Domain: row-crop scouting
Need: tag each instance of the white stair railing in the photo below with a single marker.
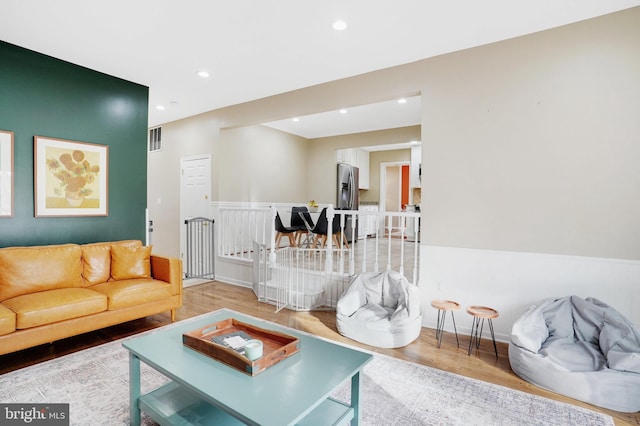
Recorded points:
(390, 246)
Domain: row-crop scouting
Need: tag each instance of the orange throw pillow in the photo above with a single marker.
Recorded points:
(96, 263)
(130, 262)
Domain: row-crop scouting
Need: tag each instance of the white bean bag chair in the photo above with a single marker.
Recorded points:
(380, 309)
(581, 348)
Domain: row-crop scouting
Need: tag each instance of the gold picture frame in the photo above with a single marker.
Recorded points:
(6, 173)
(70, 178)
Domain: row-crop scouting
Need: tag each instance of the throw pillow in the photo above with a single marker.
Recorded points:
(130, 262)
(96, 263)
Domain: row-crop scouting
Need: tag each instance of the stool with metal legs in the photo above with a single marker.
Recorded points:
(479, 314)
(443, 306)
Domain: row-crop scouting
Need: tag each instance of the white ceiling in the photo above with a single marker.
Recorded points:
(365, 118)
(259, 48)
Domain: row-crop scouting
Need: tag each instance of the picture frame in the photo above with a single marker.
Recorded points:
(6, 173)
(70, 178)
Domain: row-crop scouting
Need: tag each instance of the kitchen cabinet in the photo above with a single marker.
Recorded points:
(367, 224)
(414, 169)
(359, 158)
(363, 166)
(346, 156)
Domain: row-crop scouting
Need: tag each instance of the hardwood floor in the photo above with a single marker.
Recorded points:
(210, 296)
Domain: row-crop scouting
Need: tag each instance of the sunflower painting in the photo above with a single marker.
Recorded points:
(70, 178)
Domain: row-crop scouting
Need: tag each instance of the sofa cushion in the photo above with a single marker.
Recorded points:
(7, 320)
(50, 306)
(130, 262)
(125, 293)
(96, 260)
(25, 270)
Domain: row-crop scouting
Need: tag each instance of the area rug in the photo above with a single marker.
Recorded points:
(95, 382)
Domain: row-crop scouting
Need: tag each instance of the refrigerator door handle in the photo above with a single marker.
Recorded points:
(352, 194)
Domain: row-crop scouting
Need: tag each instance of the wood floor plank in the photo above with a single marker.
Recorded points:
(207, 297)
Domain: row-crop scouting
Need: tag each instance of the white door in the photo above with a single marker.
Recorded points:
(195, 194)
(195, 187)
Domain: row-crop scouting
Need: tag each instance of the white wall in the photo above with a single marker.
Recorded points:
(512, 281)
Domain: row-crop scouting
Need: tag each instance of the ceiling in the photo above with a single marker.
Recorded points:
(257, 48)
(366, 118)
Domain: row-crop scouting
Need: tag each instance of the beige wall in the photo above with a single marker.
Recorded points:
(185, 138)
(262, 164)
(533, 144)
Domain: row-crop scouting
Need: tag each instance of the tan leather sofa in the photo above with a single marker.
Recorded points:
(52, 292)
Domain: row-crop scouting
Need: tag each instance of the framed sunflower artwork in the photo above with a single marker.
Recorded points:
(71, 178)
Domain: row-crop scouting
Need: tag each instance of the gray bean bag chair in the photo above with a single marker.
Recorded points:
(380, 309)
(581, 348)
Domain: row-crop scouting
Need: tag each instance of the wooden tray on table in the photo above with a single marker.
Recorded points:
(212, 339)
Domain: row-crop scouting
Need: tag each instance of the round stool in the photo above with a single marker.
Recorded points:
(443, 306)
(479, 314)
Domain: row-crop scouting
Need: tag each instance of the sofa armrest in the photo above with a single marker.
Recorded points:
(167, 269)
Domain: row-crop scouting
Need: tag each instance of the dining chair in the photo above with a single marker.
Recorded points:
(321, 229)
(282, 230)
(302, 222)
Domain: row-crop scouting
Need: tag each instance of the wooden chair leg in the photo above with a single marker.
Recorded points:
(299, 235)
(278, 238)
(307, 237)
(292, 239)
(336, 241)
(344, 238)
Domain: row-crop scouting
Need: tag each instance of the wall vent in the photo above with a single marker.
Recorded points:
(155, 139)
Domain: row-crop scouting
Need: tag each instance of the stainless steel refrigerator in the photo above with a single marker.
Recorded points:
(347, 196)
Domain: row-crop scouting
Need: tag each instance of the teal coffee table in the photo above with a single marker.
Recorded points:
(205, 391)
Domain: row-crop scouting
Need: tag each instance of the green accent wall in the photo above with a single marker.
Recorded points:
(44, 96)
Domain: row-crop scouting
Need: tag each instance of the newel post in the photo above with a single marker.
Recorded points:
(272, 239)
(329, 251)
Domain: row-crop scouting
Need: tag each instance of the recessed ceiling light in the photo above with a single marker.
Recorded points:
(402, 100)
(160, 107)
(344, 111)
(295, 119)
(339, 25)
(203, 74)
